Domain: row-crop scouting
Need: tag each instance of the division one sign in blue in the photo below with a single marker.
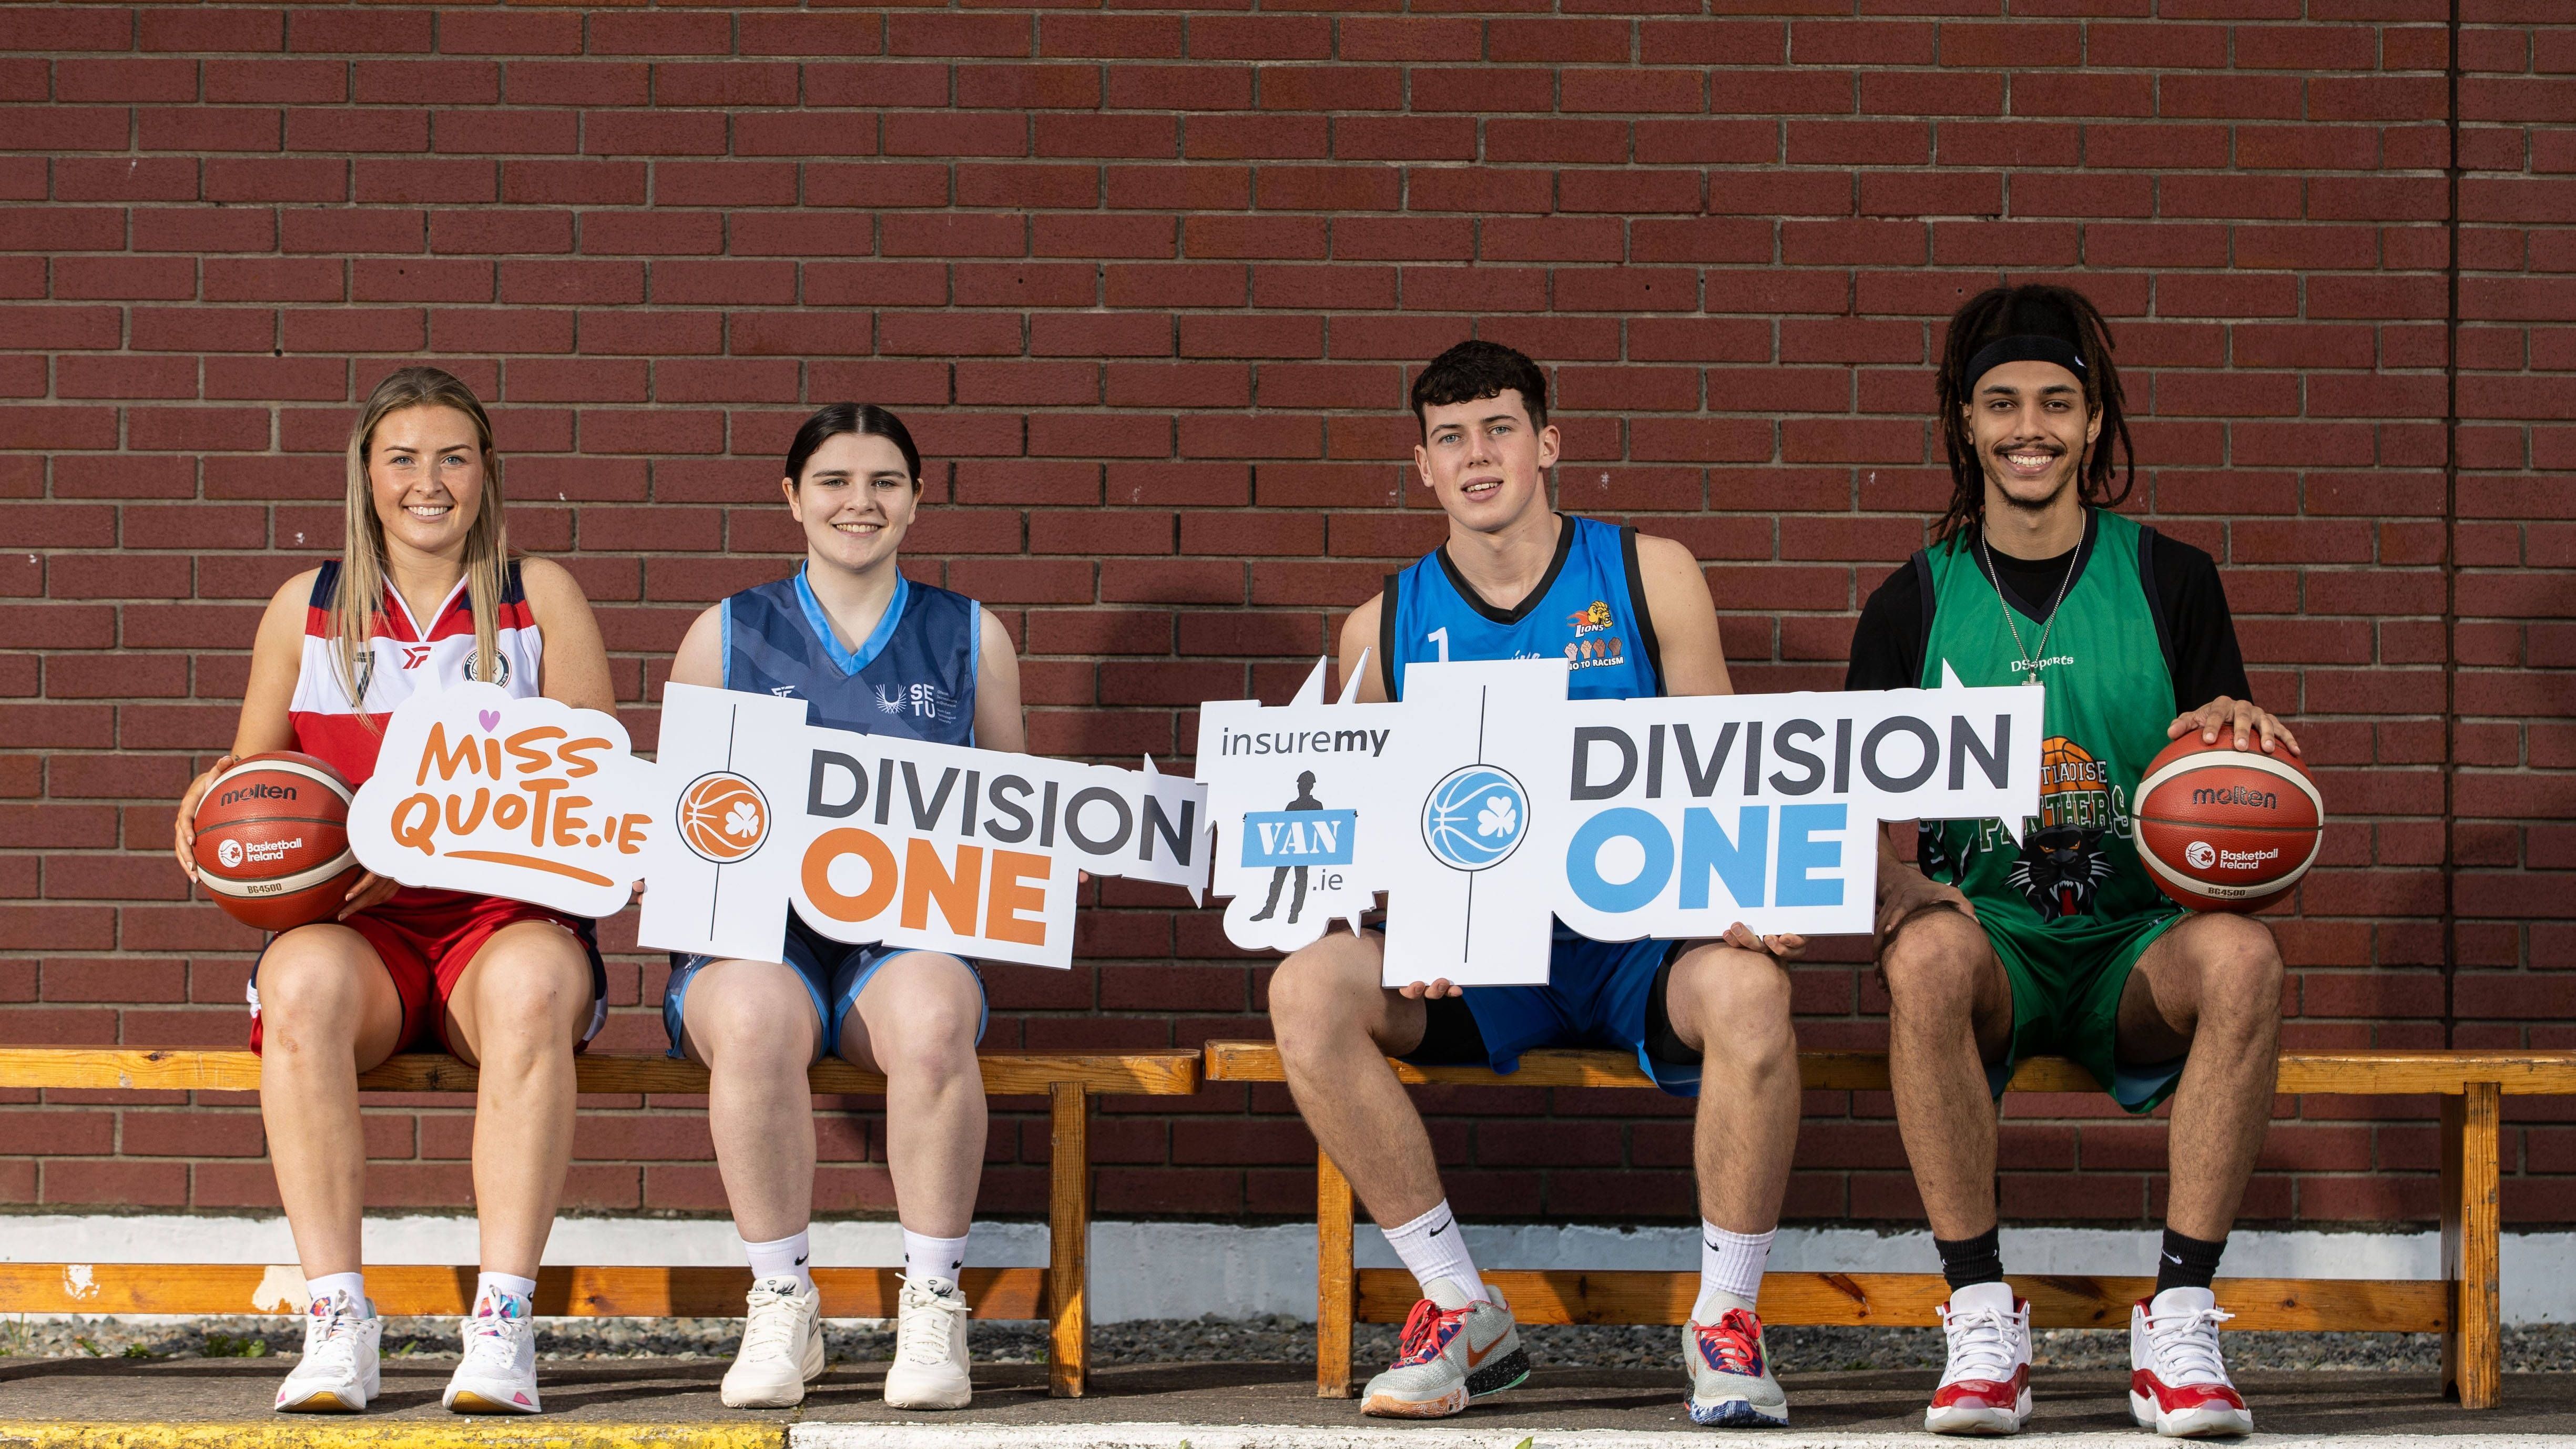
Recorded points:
(1486, 802)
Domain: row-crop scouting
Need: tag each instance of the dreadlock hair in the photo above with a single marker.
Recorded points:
(2031, 309)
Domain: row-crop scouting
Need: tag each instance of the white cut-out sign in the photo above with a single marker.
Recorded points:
(749, 810)
(1485, 802)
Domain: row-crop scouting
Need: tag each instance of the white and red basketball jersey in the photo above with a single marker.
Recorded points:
(403, 657)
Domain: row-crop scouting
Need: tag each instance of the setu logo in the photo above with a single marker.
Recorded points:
(2199, 855)
(1475, 817)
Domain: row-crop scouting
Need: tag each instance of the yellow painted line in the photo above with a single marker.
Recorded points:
(335, 1431)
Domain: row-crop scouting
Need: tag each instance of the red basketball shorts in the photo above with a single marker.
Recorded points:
(426, 939)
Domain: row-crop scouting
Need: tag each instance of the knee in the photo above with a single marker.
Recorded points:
(741, 1014)
(1930, 963)
(930, 1030)
(534, 987)
(1740, 997)
(1321, 990)
(2241, 971)
(308, 986)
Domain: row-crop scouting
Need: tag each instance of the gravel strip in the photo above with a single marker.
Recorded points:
(2539, 1348)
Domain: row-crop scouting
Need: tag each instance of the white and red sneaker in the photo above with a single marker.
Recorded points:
(1985, 1389)
(2177, 1381)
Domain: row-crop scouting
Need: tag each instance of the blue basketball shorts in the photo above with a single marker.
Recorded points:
(834, 973)
(1598, 994)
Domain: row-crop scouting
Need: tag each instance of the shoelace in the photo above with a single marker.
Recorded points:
(923, 1337)
(2185, 1346)
(492, 1339)
(773, 1323)
(337, 1347)
(1733, 1344)
(1981, 1344)
(1423, 1340)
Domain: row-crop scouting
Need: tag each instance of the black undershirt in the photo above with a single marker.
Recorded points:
(2199, 634)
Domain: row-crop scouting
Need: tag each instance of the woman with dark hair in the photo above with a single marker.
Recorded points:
(871, 651)
(424, 595)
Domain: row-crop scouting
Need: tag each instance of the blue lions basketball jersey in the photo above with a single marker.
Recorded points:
(914, 676)
(1589, 609)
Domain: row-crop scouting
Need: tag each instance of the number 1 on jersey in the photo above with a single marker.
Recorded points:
(1440, 637)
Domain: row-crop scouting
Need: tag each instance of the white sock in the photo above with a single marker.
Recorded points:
(521, 1291)
(782, 1258)
(1432, 1246)
(925, 1258)
(1730, 1270)
(353, 1284)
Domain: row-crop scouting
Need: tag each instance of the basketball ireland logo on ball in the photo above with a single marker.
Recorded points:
(723, 817)
(1475, 817)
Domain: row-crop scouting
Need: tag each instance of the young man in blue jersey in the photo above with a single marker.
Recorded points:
(1515, 580)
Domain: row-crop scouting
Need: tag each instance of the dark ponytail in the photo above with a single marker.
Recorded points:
(2031, 310)
(865, 419)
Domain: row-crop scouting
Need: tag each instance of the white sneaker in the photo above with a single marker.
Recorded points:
(1985, 1389)
(2177, 1382)
(340, 1369)
(929, 1368)
(782, 1347)
(499, 1372)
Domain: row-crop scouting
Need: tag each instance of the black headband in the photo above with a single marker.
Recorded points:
(2022, 347)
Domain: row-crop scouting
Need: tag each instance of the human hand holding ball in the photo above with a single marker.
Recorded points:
(2228, 816)
(268, 837)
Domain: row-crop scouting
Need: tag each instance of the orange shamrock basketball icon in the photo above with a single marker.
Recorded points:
(723, 817)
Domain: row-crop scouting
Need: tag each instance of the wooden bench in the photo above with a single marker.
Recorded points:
(2461, 1305)
(1057, 1292)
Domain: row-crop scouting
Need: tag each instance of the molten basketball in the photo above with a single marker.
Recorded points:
(273, 841)
(2223, 829)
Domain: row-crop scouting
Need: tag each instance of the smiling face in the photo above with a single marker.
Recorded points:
(1485, 461)
(2032, 430)
(425, 472)
(856, 500)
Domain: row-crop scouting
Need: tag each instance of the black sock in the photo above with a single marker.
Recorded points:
(1967, 1262)
(2187, 1262)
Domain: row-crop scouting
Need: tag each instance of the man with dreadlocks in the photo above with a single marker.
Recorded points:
(1996, 946)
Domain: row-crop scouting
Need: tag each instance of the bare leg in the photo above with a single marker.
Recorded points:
(916, 1022)
(1747, 1126)
(753, 1024)
(2211, 987)
(517, 1013)
(1336, 1026)
(1949, 1014)
(327, 1012)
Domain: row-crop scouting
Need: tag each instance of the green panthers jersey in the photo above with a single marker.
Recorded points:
(2074, 871)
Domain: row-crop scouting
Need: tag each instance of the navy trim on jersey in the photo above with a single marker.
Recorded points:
(1386, 632)
(914, 675)
(1467, 592)
(1654, 649)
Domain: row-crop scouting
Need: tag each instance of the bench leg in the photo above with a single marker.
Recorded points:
(1336, 1282)
(1069, 1243)
(2473, 1348)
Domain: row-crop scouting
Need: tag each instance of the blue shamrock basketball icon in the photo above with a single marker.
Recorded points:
(1475, 817)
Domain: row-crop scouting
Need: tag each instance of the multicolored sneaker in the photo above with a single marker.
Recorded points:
(1454, 1352)
(1730, 1369)
(2177, 1382)
(341, 1365)
(1985, 1389)
(498, 1374)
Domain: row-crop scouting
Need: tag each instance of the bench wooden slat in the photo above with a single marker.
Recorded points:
(1386, 1295)
(611, 1292)
(2367, 1072)
(1015, 1074)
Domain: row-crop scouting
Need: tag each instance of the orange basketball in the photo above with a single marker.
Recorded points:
(723, 817)
(2223, 829)
(273, 841)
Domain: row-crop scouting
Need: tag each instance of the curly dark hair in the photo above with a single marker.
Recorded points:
(1473, 370)
(2032, 308)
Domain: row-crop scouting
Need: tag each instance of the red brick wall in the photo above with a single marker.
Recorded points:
(1146, 283)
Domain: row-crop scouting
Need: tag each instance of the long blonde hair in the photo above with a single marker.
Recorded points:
(355, 602)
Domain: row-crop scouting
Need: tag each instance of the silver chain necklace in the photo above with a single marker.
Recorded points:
(2048, 625)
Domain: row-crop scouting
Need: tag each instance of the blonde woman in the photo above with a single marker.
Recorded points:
(424, 595)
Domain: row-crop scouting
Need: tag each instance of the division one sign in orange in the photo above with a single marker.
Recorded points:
(749, 810)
